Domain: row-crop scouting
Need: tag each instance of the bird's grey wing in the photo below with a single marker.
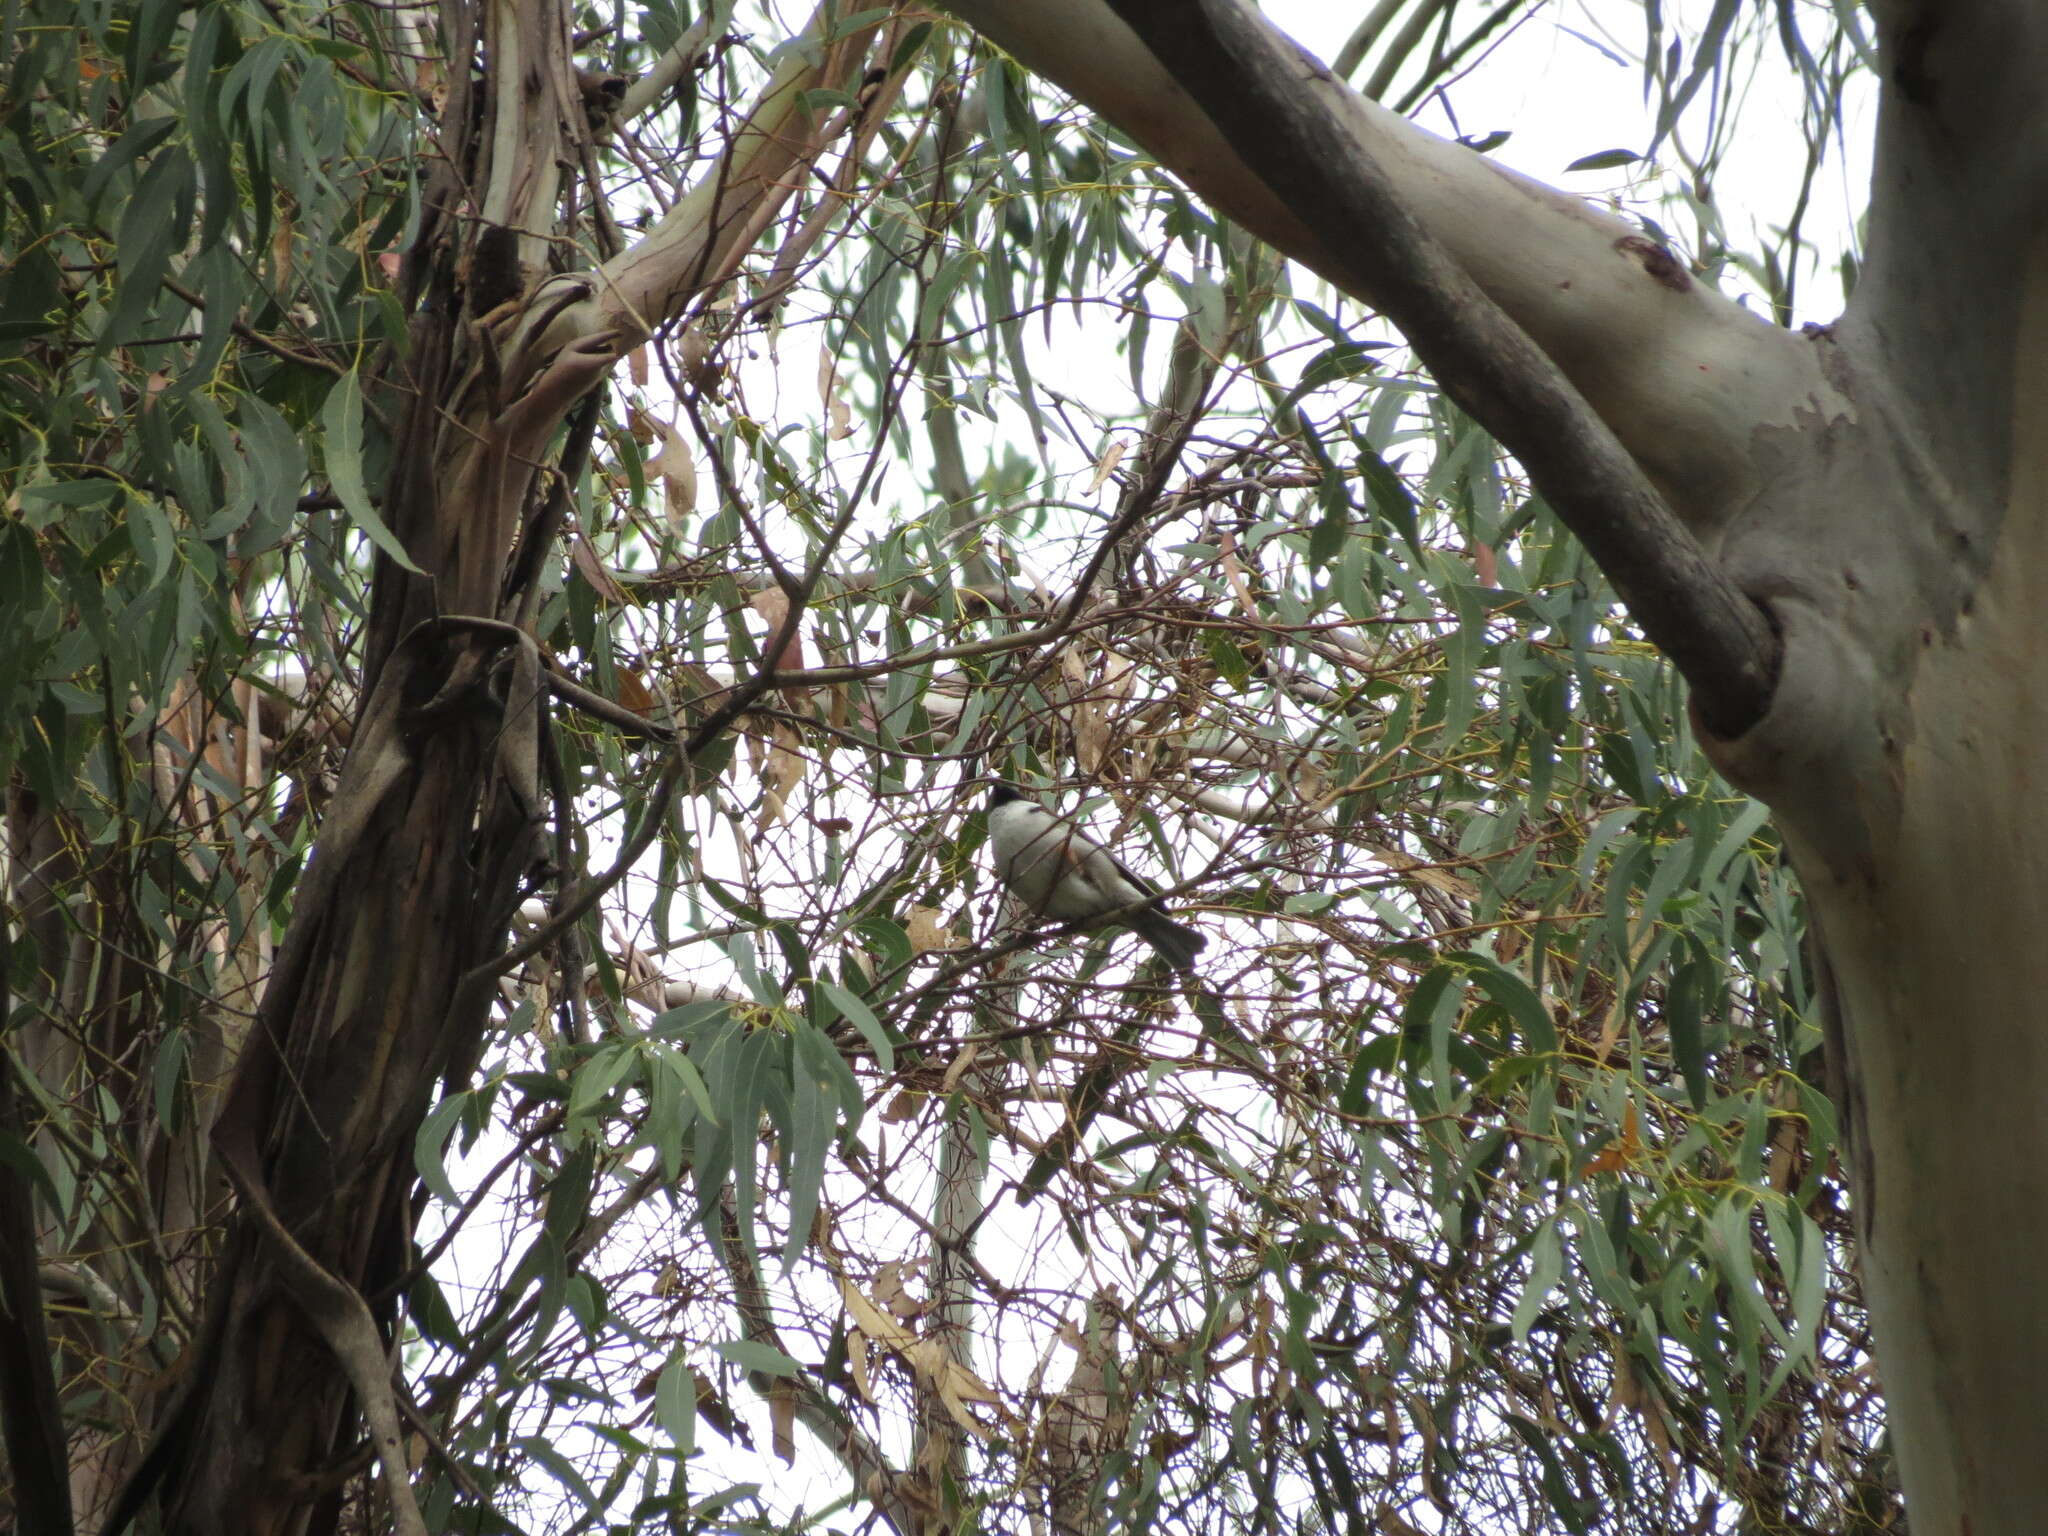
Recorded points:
(1088, 873)
(1050, 869)
(1088, 877)
(1110, 866)
(1131, 875)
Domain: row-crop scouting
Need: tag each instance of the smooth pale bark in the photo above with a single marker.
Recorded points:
(1880, 489)
(1916, 548)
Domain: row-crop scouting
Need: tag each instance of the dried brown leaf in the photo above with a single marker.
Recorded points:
(633, 692)
(592, 570)
(784, 771)
(782, 1420)
(928, 931)
(676, 465)
(838, 414)
(1106, 465)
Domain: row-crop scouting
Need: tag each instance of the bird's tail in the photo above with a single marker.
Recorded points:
(1177, 943)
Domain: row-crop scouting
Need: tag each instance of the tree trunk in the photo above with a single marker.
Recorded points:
(1906, 545)
(364, 1015)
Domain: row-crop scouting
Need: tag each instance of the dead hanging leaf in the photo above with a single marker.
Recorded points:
(782, 1420)
(1084, 716)
(928, 931)
(782, 773)
(1097, 705)
(957, 1386)
(633, 693)
(715, 1410)
(871, 1320)
(838, 696)
(595, 576)
(1233, 571)
(281, 248)
(903, 1107)
(838, 414)
(772, 603)
(857, 1364)
(1618, 1012)
(1652, 1414)
(676, 465)
(938, 1452)
(1785, 1146)
(1119, 682)
(1624, 1390)
(1621, 1152)
(640, 426)
(700, 368)
(891, 1292)
(636, 370)
(954, 1384)
(916, 1491)
(1105, 466)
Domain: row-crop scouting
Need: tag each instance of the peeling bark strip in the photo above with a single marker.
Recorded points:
(1248, 80)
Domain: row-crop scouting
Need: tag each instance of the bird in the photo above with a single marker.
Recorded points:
(1060, 872)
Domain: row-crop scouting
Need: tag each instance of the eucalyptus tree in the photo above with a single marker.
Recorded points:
(502, 1011)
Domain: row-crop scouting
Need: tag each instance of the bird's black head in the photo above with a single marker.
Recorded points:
(1003, 794)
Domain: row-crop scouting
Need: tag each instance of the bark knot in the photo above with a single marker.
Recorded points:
(1658, 261)
(1912, 75)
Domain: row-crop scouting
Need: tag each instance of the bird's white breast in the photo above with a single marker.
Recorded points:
(1032, 859)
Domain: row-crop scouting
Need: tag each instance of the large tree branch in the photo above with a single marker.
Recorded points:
(698, 243)
(1247, 79)
(1683, 375)
(647, 92)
